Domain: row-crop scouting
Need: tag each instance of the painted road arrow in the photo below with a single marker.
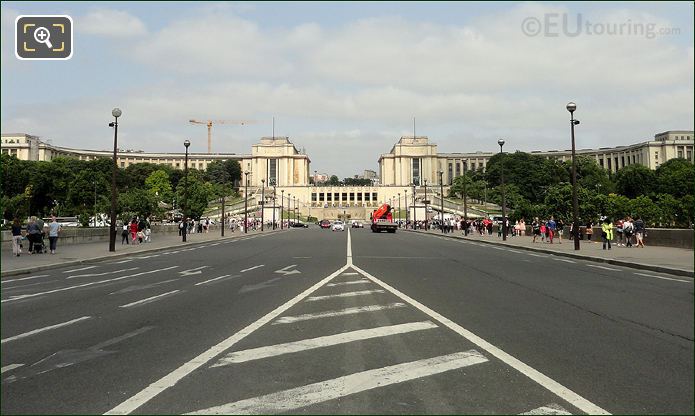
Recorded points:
(197, 270)
(285, 272)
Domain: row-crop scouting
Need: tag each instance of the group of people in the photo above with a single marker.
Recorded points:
(625, 229)
(35, 232)
(547, 230)
(137, 231)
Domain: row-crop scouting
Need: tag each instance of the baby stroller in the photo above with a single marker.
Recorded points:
(38, 245)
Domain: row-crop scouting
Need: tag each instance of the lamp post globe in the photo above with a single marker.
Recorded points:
(500, 142)
(571, 107)
(116, 112)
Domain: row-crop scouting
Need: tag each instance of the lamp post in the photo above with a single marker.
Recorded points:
(405, 199)
(246, 202)
(222, 220)
(414, 209)
(95, 204)
(504, 207)
(116, 112)
(571, 107)
(399, 210)
(186, 143)
(282, 206)
(426, 224)
(274, 193)
(441, 198)
(289, 208)
(262, 204)
(294, 204)
(465, 203)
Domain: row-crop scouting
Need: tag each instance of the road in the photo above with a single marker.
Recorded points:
(313, 321)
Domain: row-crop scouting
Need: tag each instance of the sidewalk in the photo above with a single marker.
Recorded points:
(671, 260)
(90, 252)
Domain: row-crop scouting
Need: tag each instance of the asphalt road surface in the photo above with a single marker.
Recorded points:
(317, 322)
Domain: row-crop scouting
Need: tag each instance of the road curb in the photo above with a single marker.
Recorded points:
(616, 262)
(121, 255)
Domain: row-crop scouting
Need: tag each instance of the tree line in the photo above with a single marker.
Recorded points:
(72, 187)
(540, 187)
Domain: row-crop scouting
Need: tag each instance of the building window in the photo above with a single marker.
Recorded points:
(359, 197)
(336, 197)
(634, 159)
(600, 162)
(366, 196)
(328, 196)
(451, 173)
(352, 196)
(690, 154)
(321, 197)
(680, 153)
(122, 164)
(344, 196)
(374, 197)
(656, 155)
(272, 172)
(458, 169)
(416, 171)
(622, 159)
(609, 164)
(313, 197)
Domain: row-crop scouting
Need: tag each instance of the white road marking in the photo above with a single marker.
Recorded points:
(100, 274)
(120, 338)
(536, 255)
(535, 375)
(565, 260)
(122, 261)
(169, 380)
(603, 267)
(292, 399)
(216, 279)
(148, 300)
(352, 282)
(665, 278)
(301, 257)
(551, 409)
(514, 251)
(341, 312)
(321, 342)
(77, 270)
(10, 367)
(47, 328)
(142, 287)
(24, 278)
(197, 270)
(285, 272)
(350, 274)
(212, 245)
(251, 268)
(344, 295)
(84, 285)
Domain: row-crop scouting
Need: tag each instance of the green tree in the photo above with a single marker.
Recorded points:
(645, 208)
(635, 180)
(158, 185)
(334, 181)
(138, 202)
(199, 194)
(676, 177)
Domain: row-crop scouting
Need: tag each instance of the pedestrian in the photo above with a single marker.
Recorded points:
(544, 231)
(16, 237)
(619, 232)
(134, 230)
(639, 232)
(535, 228)
(33, 234)
(522, 227)
(628, 229)
(607, 232)
(560, 230)
(551, 229)
(589, 230)
(53, 231)
(124, 234)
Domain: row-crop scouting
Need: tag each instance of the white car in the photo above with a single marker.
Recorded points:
(338, 226)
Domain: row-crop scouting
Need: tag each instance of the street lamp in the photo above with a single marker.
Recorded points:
(414, 209)
(426, 225)
(262, 204)
(405, 198)
(504, 207)
(294, 204)
(246, 202)
(95, 204)
(441, 198)
(465, 203)
(282, 206)
(186, 143)
(289, 208)
(116, 112)
(274, 193)
(399, 210)
(571, 107)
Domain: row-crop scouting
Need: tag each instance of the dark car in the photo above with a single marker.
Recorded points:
(299, 224)
(325, 224)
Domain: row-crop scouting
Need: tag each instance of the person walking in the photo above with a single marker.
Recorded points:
(53, 231)
(33, 234)
(607, 232)
(134, 230)
(16, 237)
(124, 234)
(551, 229)
(560, 230)
(589, 230)
(619, 232)
(639, 232)
(628, 229)
(535, 228)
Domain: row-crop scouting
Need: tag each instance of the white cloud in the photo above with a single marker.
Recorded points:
(110, 23)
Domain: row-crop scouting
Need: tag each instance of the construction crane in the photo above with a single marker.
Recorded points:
(209, 123)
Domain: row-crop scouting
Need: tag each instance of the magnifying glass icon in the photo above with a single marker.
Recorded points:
(42, 35)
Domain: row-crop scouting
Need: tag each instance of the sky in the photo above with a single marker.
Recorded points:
(345, 79)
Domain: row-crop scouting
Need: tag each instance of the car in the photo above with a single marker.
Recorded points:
(357, 224)
(298, 224)
(325, 224)
(338, 226)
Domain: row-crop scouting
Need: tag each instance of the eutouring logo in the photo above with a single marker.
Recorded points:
(554, 25)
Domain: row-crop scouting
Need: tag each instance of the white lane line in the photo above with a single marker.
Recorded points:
(301, 257)
(665, 278)
(84, 285)
(514, 251)
(100, 274)
(78, 270)
(213, 245)
(216, 279)
(148, 300)
(169, 380)
(292, 399)
(321, 342)
(122, 261)
(535, 255)
(551, 409)
(350, 274)
(344, 295)
(24, 278)
(565, 260)
(603, 267)
(352, 282)
(551, 385)
(47, 328)
(10, 367)
(341, 312)
(251, 268)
